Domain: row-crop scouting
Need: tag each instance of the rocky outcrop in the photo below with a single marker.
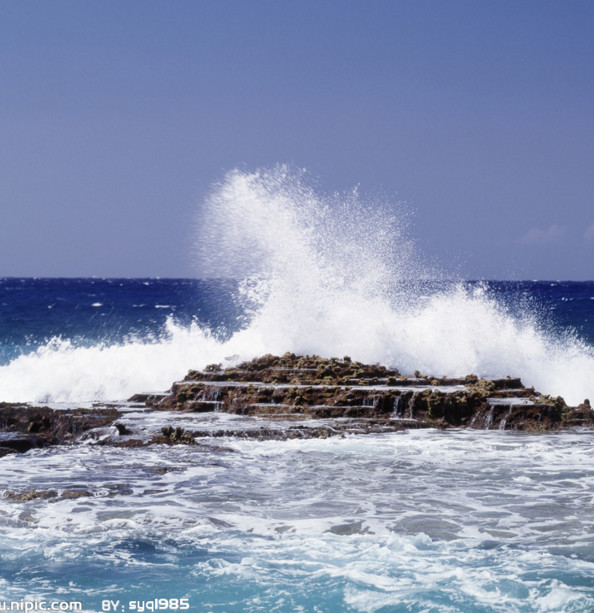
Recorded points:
(300, 397)
(23, 427)
(318, 388)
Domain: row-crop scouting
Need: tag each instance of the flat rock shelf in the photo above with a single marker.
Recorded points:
(288, 397)
(344, 396)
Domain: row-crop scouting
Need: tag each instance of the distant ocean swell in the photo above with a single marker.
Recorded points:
(325, 274)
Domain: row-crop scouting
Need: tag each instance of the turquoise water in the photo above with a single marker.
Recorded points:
(417, 521)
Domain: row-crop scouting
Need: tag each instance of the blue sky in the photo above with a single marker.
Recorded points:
(117, 117)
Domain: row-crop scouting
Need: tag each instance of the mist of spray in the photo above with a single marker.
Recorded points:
(330, 274)
(335, 275)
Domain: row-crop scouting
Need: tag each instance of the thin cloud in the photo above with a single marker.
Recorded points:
(536, 236)
(589, 234)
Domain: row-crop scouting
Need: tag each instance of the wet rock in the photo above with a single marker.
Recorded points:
(130, 443)
(175, 436)
(20, 443)
(318, 397)
(55, 495)
(582, 416)
(333, 389)
(52, 495)
(519, 417)
(23, 427)
(122, 429)
(349, 529)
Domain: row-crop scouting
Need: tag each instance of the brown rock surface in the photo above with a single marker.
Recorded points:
(319, 388)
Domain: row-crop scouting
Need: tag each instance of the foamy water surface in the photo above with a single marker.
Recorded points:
(415, 521)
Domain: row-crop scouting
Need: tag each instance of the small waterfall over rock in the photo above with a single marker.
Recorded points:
(504, 420)
(489, 420)
(396, 410)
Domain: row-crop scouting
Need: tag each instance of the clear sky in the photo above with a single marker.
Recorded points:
(117, 116)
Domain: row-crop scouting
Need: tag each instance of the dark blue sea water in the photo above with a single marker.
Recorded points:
(92, 311)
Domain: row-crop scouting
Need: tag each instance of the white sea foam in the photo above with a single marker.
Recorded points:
(326, 274)
(60, 371)
(362, 523)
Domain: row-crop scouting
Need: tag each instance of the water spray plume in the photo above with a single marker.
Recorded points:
(331, 274)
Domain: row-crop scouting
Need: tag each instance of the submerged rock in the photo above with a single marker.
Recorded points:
(56, 495)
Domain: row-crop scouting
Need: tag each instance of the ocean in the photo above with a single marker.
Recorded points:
(415, 521)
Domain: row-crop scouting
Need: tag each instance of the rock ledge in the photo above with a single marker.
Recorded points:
(293, 386)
